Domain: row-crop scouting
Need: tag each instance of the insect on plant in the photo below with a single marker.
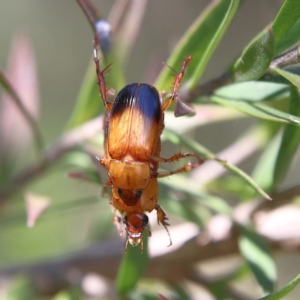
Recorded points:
(133, 126)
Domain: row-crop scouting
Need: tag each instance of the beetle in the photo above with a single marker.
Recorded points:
(133, 126)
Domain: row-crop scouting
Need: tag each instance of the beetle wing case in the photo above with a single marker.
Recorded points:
(135, 122)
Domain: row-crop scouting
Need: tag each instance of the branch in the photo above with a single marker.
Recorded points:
(54, 152)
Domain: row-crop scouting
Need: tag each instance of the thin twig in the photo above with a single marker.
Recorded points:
(37, 136)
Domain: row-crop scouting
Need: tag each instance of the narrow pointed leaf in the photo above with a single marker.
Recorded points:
(200, 41)
(290, 140)
(215, 39)
(257, 253)
(133, 266)
(288, 15)
(280, 294)
(288, 40)
(253, 91)
(259, 111)
(89, 103)
(293, 78)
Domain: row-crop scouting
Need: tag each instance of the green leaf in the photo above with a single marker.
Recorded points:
(293, 78)
(289, 141)
(256, 58)
(21, 288)
(89, 103)
(284, 291)
(253, 91)
(288, 15)
(203, 152)
(133, 266)
(215, 40)
(263, 172)
(183, 184)
(288, 40)
(257, 253)
(200, 41)
(259, 111)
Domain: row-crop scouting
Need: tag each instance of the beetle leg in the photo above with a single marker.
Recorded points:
(100, 75)
(176, 157)
(176, 84)
(162, 218)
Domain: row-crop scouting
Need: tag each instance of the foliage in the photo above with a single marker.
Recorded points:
(229, 207)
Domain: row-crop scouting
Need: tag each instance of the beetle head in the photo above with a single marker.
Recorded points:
(135, 224)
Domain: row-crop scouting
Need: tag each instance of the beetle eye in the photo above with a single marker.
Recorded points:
(138, 193)
(125, 220)
(145, 220)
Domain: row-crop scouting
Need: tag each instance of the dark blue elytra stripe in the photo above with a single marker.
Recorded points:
(141, 96)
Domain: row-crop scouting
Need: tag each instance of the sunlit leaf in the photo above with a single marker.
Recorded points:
(200, 41)
(293, 78)
(253, 91)
(259, 111)
(280, 294)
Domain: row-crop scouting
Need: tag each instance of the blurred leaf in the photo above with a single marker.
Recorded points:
(132, 268)
(202, 151)
(88, 175)
(288, 15)
(263, 172)
(253, 91)
(54, 234)
(62, 296)
(182, 183)
(289, 141)
(257, 253)
(35, 206)
(293, 78)
(258, 110)
(20, 289)
(284, 291)
(256, 57)
(200, 41)
(89, 103)
(229, 13)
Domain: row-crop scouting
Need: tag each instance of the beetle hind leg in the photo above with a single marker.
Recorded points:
(162, 218)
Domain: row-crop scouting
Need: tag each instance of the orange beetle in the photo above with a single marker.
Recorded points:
(133, 127)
